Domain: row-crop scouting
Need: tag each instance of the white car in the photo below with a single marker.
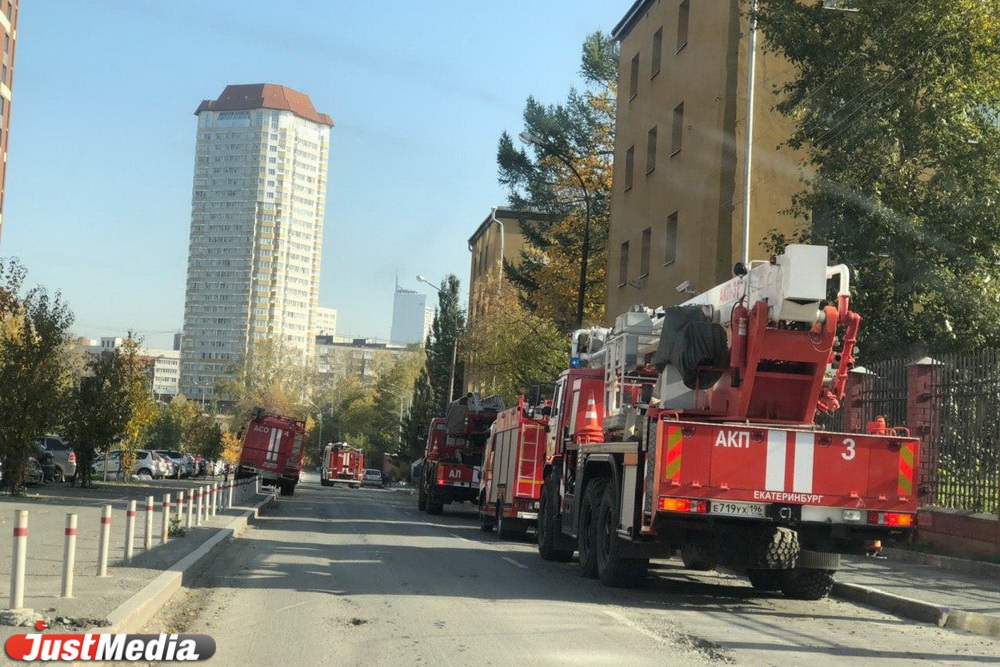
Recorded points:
(145, 464)
(372, 477)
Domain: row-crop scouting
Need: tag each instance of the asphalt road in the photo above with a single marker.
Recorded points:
(360, 577)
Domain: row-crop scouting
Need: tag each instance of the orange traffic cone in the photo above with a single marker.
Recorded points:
(591, 430)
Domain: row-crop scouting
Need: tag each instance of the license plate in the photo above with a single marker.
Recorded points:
(739, 509)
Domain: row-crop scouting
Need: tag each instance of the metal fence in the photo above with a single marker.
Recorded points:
(964, 442)
(883, 393)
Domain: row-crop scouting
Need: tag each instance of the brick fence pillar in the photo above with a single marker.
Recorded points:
(859, 380)
(922, 406)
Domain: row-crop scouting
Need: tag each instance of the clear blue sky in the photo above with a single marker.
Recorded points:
(101, 152)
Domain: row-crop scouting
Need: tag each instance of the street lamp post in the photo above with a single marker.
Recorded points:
(454, 344)
(529, 138)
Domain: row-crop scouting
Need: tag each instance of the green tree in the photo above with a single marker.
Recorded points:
(896, 106)
(430, 391)
(34, 368)
(580, 132)
(137, 395)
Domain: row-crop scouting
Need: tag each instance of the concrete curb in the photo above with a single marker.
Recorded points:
(138, 610)
(918, 610)
(966, 566)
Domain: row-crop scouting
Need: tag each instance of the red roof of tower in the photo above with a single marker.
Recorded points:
(265, 96)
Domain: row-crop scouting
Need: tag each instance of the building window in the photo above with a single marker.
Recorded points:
(678, 130)
(682, 24)
(657, 52)
(629, 166)
(633, 86)
(651, 150)
(670, 256)
(647, 237)
(623, 266)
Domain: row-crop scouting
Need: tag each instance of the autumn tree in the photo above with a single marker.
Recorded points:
(565, 173)
(896, 107)
(34, 367)
(272, 376)
(511, 350)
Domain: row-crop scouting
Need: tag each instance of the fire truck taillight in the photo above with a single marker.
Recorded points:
(890, 519)
(683, 505)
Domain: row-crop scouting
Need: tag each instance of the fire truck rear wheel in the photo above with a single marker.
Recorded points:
(324, 482)
(766, 580)
(548, 524)
(612, 568)
(422, 499)
(587, 537)
(802, 584)
(434, 507)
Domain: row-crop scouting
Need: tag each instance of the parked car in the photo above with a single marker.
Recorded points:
(45, 460)
(371, 477)
(191, 464)
(181, 467)
(164, 466)
(145, 464)
(63, 456)
(35, 474)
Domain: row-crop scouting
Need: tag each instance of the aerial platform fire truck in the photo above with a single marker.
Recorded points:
(449, 470)
(272, 448)
(691, 429)
(342, 464)
(511, 480)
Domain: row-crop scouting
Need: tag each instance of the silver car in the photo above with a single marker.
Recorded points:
(63, 456)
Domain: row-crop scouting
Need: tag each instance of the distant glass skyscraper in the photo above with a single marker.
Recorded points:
(411, 318)
(256, 229)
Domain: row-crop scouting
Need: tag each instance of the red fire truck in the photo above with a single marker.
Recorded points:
(272, 448)
(342, 464)
(691, 429)
(449, 470)
(512, 471)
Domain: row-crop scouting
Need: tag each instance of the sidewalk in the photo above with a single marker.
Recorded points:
(966, 597)
(94, 597)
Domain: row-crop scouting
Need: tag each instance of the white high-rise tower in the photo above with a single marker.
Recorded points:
(256, 230)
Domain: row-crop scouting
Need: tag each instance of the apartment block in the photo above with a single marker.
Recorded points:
(258, 204)
(8, 33)
(677, 199)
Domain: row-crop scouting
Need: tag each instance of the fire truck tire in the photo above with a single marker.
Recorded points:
(613, 569)
(780, 550)
(766, 580)
(324, 482)
(694, 558)
(509, 529)
(288, 488)
(434, 508)
(587, 537)
(803, 584)
(548, 525)
(422, 500)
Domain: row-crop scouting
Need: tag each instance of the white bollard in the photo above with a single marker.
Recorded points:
(190, 509)
(69, 557)
(147, 537)
(20, 556)
(256, 486)
(165, 533)
(102, 545)
(214, 491)
(201, 506)
(129, 530)
(229, 494)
